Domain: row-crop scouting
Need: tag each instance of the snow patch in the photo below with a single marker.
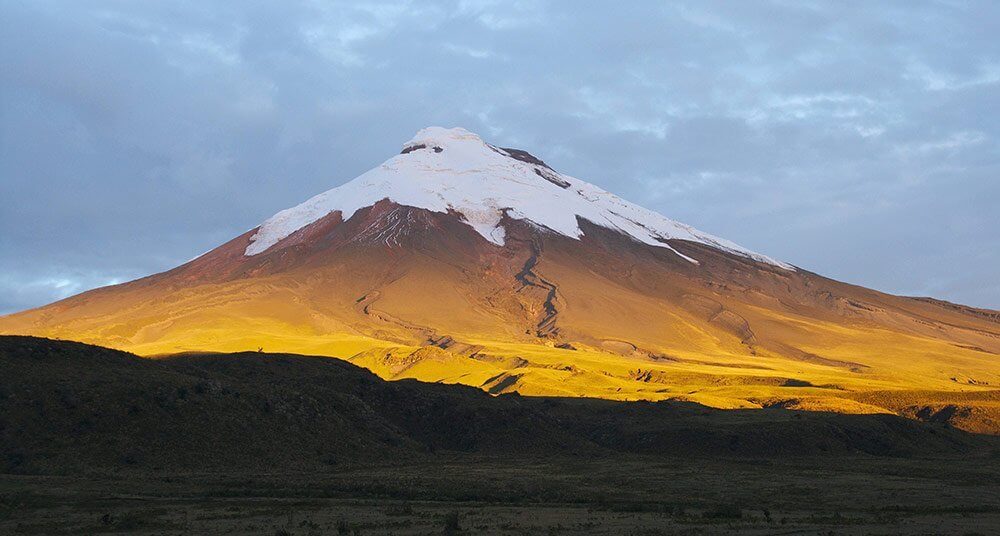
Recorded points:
(453, 169)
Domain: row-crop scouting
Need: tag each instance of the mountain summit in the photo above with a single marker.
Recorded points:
(460, 261)
(454, 170)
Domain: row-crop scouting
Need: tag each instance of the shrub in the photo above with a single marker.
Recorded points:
(451, 524)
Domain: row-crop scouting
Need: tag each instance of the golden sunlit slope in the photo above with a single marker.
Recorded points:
(548, 315)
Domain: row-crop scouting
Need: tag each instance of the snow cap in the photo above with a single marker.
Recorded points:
(442, 169)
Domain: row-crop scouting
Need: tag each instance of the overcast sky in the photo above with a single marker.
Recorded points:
(860, 140)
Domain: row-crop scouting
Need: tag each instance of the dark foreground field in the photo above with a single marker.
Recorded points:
(614, 495)
(98, 441)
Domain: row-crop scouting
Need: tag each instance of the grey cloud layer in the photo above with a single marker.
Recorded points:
(858, 140)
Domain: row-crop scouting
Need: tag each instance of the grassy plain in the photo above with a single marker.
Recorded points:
(557, 495)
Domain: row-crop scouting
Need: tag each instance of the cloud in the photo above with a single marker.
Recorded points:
(985, 75)
(24, 291)
(859, 144)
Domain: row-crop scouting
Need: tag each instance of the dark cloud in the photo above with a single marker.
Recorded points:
(857, 141)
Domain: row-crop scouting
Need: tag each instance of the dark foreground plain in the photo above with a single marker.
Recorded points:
(100, 441)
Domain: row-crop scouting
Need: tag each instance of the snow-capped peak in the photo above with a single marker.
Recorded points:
(444, 169)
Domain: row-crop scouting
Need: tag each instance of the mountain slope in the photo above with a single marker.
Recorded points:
(462, 262)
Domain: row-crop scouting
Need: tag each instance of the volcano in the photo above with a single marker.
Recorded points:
(463, 262)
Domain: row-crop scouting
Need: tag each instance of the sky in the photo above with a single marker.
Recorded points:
(859, 140)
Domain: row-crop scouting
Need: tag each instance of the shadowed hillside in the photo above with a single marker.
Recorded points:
(67, 407)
